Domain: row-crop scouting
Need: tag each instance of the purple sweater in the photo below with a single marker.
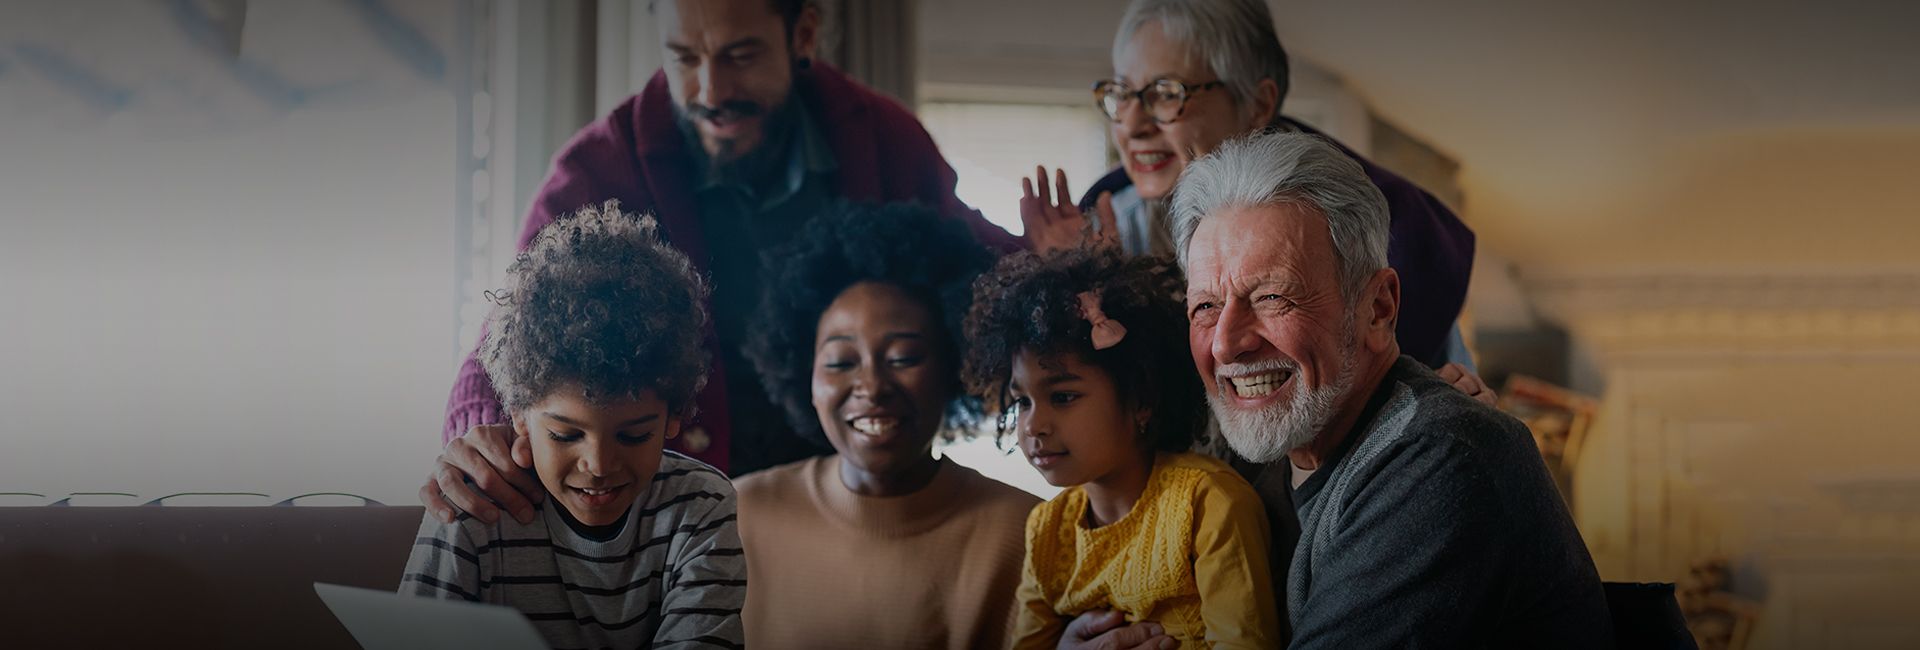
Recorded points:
(636, 154)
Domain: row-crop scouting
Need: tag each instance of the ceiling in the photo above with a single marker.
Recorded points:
(1624, 137)
(1651, 136)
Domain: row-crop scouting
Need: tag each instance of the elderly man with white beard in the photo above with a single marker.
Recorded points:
(1425, 518)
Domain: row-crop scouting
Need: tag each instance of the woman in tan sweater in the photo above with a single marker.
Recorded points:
(879, 545)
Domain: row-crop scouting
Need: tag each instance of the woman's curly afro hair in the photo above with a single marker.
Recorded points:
(1029, 302)
(906, 245)
(599, 300)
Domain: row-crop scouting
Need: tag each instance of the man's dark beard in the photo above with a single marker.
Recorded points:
(733, 109)
(751, 166)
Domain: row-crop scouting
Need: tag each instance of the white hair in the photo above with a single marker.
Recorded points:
(1280, 168)
(1235, 37)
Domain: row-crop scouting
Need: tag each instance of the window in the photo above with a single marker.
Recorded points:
(992, 146)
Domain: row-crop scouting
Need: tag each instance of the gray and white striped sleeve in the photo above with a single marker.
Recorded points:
(708, 572)
(445, 562)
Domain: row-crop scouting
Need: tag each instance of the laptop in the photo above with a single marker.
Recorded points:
(384, 620)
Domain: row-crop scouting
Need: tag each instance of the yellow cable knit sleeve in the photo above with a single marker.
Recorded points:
(1036, 626)
(1230, 564)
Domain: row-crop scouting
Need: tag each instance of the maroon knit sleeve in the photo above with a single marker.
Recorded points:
(473, 401)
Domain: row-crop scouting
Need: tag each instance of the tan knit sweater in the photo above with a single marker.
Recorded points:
(827, 568)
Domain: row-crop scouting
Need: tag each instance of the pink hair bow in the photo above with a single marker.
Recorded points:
(1106, 331)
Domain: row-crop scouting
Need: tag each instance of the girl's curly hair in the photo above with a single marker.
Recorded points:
(1029, 302)
(906, 245)
(598, 299)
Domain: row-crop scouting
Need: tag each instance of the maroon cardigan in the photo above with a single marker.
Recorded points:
(636, 154)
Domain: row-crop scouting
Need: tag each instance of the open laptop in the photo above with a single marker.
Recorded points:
(383, 620)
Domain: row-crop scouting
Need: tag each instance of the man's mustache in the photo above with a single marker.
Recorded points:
(734, 110)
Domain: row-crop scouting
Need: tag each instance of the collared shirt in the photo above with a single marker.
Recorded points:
(808, 159)
(742, 219)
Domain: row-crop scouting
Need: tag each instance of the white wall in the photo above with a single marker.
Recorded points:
(209, 286)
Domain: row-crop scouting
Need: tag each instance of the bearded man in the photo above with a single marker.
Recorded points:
(735, 143)
(1424, 518)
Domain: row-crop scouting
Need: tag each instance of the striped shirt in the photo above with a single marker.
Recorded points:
(673, 577)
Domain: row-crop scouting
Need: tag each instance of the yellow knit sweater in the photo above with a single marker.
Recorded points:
(1191, 555)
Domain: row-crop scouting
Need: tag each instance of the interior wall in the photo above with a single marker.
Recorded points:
(226, 270)
(1769, 422)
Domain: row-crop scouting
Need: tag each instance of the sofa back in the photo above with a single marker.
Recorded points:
(171, 576)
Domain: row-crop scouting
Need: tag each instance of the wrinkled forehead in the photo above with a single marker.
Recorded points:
(1237, 247)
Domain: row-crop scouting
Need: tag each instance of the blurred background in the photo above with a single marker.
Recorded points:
(246, 241)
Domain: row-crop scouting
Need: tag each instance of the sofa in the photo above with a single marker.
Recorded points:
(202, 577)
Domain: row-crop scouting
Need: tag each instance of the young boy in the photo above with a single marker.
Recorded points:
(596, 353)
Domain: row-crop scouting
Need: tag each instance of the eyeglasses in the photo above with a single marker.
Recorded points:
(1164, 100)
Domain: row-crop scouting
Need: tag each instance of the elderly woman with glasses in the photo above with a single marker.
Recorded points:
(1188, 75)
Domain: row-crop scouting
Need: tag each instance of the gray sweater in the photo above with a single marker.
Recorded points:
(1435, 525)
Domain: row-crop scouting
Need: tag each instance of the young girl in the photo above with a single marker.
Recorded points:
(596, 351)
(1082, 351)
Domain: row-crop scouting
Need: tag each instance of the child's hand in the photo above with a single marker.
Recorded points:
(496, 461)
(1104, 630)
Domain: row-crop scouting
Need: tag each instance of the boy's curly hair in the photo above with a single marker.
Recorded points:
(1029, 302)
(906, 245)
(598, 299)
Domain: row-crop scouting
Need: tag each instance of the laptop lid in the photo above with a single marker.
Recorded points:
(383, 620)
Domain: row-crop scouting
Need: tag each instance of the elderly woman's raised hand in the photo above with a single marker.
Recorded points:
(1053, 221)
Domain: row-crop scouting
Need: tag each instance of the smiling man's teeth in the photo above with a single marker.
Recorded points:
(1258, 385)
(875, 426)
(596, 492)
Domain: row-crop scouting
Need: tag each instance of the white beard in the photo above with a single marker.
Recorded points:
(1264, 435)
